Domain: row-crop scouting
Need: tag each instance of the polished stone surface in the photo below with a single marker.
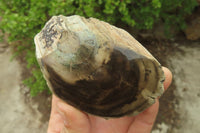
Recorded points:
(96, 67)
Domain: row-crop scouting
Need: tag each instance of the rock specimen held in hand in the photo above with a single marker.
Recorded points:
(96, 67)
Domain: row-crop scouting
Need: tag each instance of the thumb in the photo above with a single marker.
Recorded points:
(74, 120)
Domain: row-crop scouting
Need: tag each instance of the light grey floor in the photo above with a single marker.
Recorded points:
(15, 115)
(185, 66)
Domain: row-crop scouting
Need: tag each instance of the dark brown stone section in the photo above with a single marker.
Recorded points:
(103, 97)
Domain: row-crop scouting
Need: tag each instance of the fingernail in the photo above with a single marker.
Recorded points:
(62, 114)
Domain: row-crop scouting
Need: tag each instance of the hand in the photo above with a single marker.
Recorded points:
(66, 119)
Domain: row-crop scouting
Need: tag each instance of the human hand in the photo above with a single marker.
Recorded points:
(66, 119)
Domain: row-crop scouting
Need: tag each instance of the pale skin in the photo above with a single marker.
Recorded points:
(66, 119)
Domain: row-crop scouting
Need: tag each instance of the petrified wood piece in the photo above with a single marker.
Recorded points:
(96, 67)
